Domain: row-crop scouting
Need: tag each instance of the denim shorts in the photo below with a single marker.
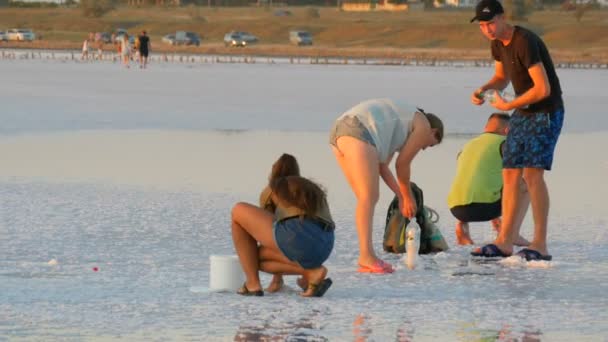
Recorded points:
(304, 241)
(350, 126)
(531, 139)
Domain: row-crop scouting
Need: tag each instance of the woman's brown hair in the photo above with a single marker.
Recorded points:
(435, 123)
(286, 165)
(299, 192)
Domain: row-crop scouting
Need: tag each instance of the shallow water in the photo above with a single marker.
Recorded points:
(113, 169)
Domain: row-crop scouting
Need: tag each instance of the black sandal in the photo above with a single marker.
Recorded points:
(318, 290)
(244, 291)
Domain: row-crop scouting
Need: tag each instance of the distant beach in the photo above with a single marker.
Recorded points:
(418, 35)
(404, 57)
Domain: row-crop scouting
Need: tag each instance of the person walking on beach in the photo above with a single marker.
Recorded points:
(144, 49)
(297, 239)
(85, 49)
(99, 49)
(476, 191)
(522, 59)
(364, 140)
(125, 50)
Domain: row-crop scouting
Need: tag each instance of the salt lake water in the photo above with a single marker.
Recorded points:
(116, 186)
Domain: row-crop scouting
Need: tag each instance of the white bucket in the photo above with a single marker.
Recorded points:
(225, 273)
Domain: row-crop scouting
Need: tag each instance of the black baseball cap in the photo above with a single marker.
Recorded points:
(487, 9)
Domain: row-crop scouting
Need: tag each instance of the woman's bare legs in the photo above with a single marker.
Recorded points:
(360, 164)
(251, 225)
(268, 259)
(273, 261)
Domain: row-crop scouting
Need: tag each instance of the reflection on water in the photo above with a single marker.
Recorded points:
(273, 330)
(507, 333)
(363, 332)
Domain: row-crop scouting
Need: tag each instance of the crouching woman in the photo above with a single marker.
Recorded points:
(296, 240)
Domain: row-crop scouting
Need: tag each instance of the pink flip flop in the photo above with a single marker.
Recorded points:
(378, 267)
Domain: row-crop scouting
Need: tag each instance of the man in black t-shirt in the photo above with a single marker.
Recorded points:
(144, 49)
(522, 59)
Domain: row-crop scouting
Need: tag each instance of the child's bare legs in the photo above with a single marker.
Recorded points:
(462, 233)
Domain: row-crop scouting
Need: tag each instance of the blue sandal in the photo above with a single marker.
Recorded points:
(490, 251)
(532, 255)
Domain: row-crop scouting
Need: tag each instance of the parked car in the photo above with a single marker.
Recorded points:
(282, 13)
(248, 37)
(234, 39)
(300, 38)
(20, 35)
(168, 39)
(238, 38)
(104, 37)
(182, 38)
(3, 36)
(120, 33)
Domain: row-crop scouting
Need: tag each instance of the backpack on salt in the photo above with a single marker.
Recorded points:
(431, 240)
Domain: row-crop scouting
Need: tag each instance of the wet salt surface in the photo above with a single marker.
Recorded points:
(147, 206)
(151, 247)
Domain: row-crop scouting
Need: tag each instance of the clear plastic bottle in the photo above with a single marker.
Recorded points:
(490, 95)
(412, 245)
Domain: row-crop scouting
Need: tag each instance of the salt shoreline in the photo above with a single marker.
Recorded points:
(413, 59)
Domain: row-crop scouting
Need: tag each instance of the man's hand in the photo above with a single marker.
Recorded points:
(500, 103)
(477, 97)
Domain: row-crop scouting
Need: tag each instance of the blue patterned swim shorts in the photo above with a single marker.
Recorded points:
(531, 139)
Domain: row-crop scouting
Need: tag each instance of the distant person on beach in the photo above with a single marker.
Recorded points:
(522, 59)
(86, 46)
(117, 45)
(296, 239)
(364, 140)
(99, 45)
(135, 50)
(144, 49)
(476, 191)
(125, 50)
(85, 49)
(100, 49)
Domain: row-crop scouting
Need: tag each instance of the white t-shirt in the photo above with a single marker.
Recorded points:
(388, 124)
